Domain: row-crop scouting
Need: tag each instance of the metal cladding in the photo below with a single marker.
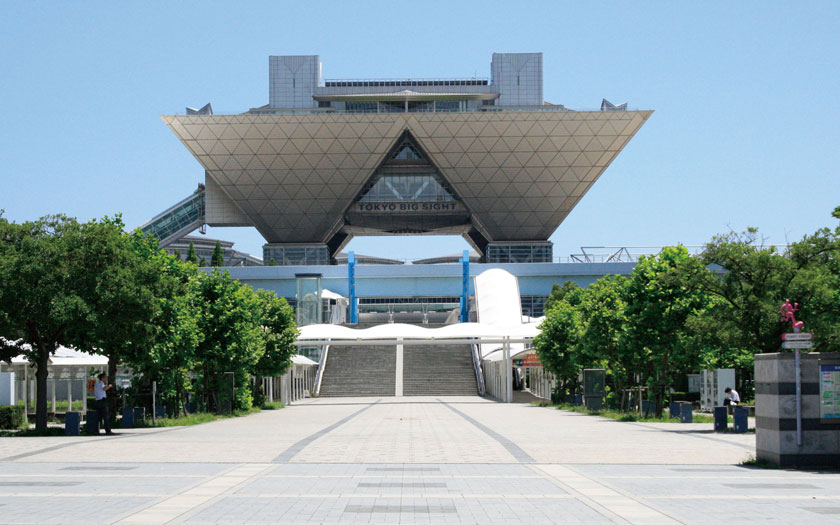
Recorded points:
(295, 177)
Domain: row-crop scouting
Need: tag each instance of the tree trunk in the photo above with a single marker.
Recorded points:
(41, 374)
(112, 380)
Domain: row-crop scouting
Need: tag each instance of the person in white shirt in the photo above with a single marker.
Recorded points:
(733, 398)
(100, 392)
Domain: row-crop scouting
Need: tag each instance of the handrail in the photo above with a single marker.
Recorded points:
(479, 373)
(320, 373)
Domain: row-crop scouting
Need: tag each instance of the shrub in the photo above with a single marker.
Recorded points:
(13, 418)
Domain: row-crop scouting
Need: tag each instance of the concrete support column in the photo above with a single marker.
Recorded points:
(508, 372)
(398, 384)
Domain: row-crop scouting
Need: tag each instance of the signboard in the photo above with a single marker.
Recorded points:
(798, 344)
(407, 207)
(528, 360)
(830, 392)
(801, 336)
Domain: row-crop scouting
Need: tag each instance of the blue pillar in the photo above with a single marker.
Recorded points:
(351, 284)
(465, 287)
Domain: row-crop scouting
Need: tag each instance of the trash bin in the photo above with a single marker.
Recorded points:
(740, 420)
(648, 408)
(686, 415)
(674, 409)
(128, 418)
(721, 424)
(139, 415)
(92, 422)
(160, 411)
(71, 423)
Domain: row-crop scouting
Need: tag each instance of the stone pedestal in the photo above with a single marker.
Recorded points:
(775, 412)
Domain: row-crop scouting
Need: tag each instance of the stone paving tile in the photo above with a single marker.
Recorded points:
(425, 432)
(93, 470)
(413, 461)
(66, 509)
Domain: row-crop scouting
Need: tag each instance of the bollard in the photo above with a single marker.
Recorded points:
(740, 420)
(71, 423)
(721, 424)
(92, 422)
(674, 409)
(128, 418)
(686, 415)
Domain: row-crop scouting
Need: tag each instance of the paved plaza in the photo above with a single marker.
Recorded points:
(406, 460)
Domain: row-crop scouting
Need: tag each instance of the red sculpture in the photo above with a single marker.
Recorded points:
(787, 311)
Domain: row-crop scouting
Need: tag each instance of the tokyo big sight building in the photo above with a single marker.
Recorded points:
(326, 160)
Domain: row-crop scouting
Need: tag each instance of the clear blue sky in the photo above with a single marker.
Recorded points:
(746, 129)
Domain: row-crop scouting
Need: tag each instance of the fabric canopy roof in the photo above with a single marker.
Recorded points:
(395, 331)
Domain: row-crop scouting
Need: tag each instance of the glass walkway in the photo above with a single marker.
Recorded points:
(178, 220)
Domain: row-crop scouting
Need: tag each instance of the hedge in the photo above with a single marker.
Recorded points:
(12, 418)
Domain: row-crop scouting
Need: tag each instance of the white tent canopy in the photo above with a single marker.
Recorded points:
(395, 331)
(64, 356)
(298, 359)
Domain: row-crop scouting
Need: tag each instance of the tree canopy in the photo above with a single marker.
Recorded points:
(100, 289)
(676, 314)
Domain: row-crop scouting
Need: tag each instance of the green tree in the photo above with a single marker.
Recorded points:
(170, 357)
(751, 280)
(272, 262)
(603, 340)
(661, 295)
(558, 341)
(202, 263)
(118, 286)
(558, 292)
(218, 258)
(192, 257)
(279, 334)
(233, 341)
(41, 297)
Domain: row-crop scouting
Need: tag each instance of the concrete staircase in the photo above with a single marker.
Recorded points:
(438, 371)
(359, 371)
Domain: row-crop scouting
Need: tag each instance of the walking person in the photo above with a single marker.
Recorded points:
(100, 392)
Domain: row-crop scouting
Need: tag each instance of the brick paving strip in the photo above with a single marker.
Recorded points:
(83, 441)
(295, 449)
(174, 506)
(621, 506)
(514, 449)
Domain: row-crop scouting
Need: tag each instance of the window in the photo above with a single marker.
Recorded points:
(407, 152)
(406, 188)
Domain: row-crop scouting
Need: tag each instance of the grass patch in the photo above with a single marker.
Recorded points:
(31, 432)
(622, 416)
(205, 417)
(752, 461)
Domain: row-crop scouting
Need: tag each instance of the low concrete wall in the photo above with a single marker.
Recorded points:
(775, 412)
